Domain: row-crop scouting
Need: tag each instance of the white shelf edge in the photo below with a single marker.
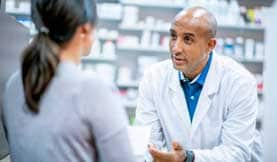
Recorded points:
(98, 59)
(237, 27)
(140, 28)
(250, 60)
(242, 27)
(245, 60)
(19, 14)
(128, 85)
(260, 92)
(130, 105)
(161, 5)
(143, 49)
(110, 18)
(107, 38)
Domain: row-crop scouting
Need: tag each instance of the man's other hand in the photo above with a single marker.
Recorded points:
(177, 154)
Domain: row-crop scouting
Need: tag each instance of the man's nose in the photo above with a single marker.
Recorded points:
(177, 47)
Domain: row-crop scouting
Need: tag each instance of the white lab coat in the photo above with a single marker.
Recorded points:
(223, 126)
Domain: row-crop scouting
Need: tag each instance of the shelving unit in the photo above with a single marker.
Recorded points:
(98, 59)
(128, 85)
(159, 50)
(153, 4)
(109, 19)
(244, 28)
(245, 60)
(107, 38)
(20, 15)
(142, 28)
(255, 3)
(255, 28)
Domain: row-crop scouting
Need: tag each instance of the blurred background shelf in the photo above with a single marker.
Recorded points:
(138, 27)
(256, 28)
(98, 59)
(109, 18)
(142, 28)
(255, 3)
(144, 49)
(246, 60)
(128, 85)
(154, 4)
(20, 15)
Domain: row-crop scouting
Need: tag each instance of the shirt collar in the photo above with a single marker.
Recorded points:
(200, 78)
(185, 79)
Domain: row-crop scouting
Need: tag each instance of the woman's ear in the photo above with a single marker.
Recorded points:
(86, 32)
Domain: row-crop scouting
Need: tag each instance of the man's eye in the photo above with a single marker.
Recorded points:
(173, 36)
(188, 40)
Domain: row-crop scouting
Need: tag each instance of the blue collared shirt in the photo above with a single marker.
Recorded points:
(192, 89)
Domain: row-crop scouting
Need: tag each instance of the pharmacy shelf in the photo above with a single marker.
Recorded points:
(255, 61)
(143, 49)
(107, 1)
(255, 3)
(130, 105)
(256, 28)
(156, 4)
(260, 93)
(221, 27)
(128, 85)
(107, 38)
(90, 59)
(20, 15)
(143, 28)
(110, 18)
(246, 60)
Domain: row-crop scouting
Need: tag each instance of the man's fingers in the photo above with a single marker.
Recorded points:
(158, 154)
(151, 145)
(176, 146)
(154, 151)
(161, 156)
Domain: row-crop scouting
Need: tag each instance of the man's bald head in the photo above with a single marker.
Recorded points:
(200, 17)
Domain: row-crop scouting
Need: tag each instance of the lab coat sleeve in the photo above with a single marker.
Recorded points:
(238, 131)
(146, 113)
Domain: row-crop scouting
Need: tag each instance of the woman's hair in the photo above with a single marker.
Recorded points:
(56, 22)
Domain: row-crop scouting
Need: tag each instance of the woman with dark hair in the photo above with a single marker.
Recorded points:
(52, 111)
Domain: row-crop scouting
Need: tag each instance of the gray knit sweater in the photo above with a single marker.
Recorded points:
(80, 117)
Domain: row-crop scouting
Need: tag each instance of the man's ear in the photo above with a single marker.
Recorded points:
(212, 44)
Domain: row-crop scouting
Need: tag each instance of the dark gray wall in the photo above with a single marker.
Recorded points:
(2, 5)
(13, 38)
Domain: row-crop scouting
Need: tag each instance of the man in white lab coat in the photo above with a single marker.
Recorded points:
(201, 107)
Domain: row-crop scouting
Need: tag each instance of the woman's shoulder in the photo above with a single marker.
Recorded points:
(94, 80)
(94, 86)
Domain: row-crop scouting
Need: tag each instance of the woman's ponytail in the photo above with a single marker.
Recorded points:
(39, 63)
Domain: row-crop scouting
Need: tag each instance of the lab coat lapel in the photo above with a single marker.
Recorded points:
(211, 86)
(178, 99)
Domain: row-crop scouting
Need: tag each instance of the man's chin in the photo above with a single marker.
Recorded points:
(178, 67)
